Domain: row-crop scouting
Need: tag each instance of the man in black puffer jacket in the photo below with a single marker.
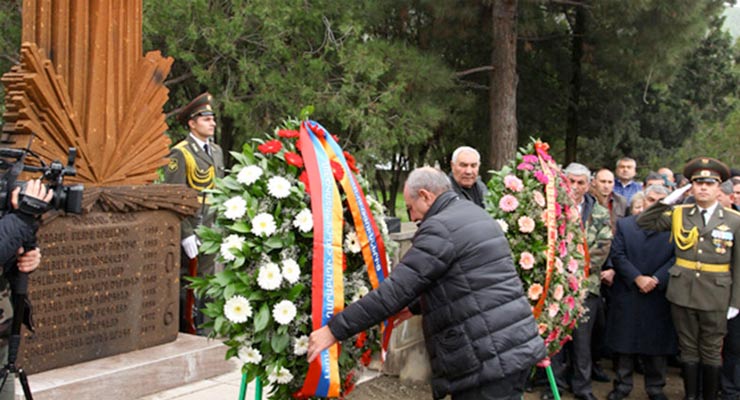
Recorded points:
(478, 326)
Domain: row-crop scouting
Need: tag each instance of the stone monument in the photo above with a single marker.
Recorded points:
(109, 279)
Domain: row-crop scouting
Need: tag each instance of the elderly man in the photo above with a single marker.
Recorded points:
(478, 326)
(625, 185)
(726, 197)
(703, 286)
(464, 176)
(595, 219)
(639, 318)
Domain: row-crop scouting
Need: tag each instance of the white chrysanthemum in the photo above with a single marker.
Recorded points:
(304, 220)
(269, 277)
(503, 224)
(352, 242)
(237, 309)
(291, 270)
(230, 243)
(236, 207)
(249, 175)
(263, 224)
(281, 376)
(362, 290)
(284, 312)
(300, 347)
(249, 355)
(278, 187)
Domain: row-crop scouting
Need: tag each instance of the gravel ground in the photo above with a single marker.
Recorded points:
(390, 388)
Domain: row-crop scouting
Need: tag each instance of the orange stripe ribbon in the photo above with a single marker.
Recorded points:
(552, 232)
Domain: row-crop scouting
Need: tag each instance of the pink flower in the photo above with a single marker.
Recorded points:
(513, 183)
(572, 265)
(526, 224)
(534, 291)
(530, 158)
(570, 302)
(558, 210)
(553, 309)
(563, 248)
(565, 340)
(542, 328)
(524, 167)
(573, 283)
(553, 335)
(526, 261)
(559, 265)
(580, 249)
(566, 319)
(508, 203)
(558, 292)
(539, 198)
(569, 237)
(561, 229)
(541, 177)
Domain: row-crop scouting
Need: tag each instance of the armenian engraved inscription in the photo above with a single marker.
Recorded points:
(108, 284)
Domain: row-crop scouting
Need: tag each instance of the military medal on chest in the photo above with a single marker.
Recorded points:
(722, 239)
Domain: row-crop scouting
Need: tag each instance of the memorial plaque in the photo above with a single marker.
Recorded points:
(108, 284)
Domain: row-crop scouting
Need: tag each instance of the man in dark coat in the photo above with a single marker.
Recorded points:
(639, 321)
(479, 329)
(464, 177)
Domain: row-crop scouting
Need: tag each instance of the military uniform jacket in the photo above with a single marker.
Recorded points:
(696, 280)
(190, 165)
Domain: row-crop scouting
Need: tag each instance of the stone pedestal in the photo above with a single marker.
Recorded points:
(108, 284)
(134, 374)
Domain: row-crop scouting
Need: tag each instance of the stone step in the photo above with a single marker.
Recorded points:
(134, 374)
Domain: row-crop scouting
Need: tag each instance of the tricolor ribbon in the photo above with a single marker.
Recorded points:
(319, 149)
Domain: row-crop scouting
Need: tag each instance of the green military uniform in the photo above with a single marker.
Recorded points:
(191, 165)
(700, 287)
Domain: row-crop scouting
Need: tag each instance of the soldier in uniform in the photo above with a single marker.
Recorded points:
(196, 162)
(700, 286)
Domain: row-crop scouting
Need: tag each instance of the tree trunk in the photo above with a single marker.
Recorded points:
(571, 132)
(502, 91)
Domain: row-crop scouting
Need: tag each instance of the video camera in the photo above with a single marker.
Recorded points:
(67, 198)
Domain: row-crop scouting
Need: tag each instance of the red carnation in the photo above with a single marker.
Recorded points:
(336, 138)
(287, 133)
(299, 145)
(366, 357)
(337, 170)
(361, 338)
(351, 162)
(293, 159)
(270, 147)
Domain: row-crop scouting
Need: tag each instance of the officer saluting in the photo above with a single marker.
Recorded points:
(700, 287)
(196, 162)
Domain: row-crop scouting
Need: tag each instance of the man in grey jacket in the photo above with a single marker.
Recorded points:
(478, 326)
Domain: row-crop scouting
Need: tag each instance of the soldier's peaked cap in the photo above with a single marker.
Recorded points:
(705, 169)
(200, 106)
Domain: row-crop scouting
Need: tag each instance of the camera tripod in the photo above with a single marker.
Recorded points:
(19, 288)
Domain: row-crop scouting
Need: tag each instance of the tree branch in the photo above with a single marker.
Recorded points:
(474, 70)
(178, 79)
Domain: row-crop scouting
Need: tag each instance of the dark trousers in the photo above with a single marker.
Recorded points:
(700, 334)
(580, 352)
(510, 387)
(654, 370)
(205, 267)
(731, 361)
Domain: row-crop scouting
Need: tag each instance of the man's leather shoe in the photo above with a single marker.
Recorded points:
(547, 394)
(598, 374)
(616, 395)
(589, 396)
(660, 396)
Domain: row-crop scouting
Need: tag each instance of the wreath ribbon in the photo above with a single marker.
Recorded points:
(319, 150)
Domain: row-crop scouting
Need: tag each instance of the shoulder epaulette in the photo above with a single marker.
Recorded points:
(732, 211)
(684, 205)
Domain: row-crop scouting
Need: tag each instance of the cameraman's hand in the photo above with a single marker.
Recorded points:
(28, 261)
(35, 189)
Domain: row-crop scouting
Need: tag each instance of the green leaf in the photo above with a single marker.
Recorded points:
(295, 291)
(306, 112)
(279, 342)
(274, 242)
(240, 226)
(229, 291)
(218, 324)
(262, 318)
